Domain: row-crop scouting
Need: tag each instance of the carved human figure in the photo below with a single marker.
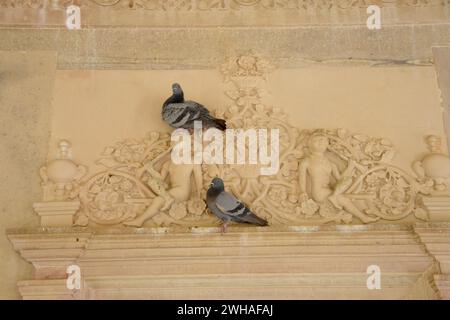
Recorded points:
(317, 170)
(180, 187)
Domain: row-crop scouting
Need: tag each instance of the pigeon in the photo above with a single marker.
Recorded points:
(227, 207)
(179, 113)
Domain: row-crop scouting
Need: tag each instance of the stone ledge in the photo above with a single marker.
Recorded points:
(286, 262)
(227, 13)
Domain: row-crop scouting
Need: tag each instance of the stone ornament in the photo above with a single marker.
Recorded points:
(325, 175)
(435, 166)
(61, 176)
(61, 185)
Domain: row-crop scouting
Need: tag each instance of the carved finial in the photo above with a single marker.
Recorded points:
(434, 143)
(60, 181)
(61, 175)
(64, 150)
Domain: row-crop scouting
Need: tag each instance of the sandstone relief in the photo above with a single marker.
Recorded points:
(324, 176)
(434, 166)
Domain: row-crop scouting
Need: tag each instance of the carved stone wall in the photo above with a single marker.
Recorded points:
(380, 181)
(26, 90)
(227, 12)
(311, 69)
(292, 32)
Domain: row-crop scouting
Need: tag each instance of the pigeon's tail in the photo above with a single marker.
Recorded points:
(217, 123)
(252, 218)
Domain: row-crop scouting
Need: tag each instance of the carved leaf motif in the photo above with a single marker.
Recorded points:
(372, 184)
(421, 214)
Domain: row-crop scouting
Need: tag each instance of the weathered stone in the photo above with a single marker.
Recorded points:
(26, 84)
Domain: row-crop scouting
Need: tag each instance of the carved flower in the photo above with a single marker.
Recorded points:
(375, 180)
(309, 207)
(106, 200)
(82, 220)
(278, 193)
(128, 151)
(393, 197)
(247, 64)
(178, 210)
(196, 206)
(126, 185)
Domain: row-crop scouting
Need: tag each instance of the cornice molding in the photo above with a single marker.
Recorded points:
(288, 262)
(224, 13)
(287, 47)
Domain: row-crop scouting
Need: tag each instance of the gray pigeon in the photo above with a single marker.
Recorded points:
(227, 208)
(179, 113)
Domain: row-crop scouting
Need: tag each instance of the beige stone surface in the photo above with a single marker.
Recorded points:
(26, 84)
(230, 13)
(198, 48)
(442, 63)
(328, 262)
(331, 72)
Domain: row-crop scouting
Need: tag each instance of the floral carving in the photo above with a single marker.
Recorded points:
(138, 174)
(246, 66)
(112, 197)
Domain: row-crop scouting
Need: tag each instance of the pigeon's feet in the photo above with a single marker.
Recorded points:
(223, 228)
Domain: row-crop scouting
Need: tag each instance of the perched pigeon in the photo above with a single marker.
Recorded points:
(227, 208)
(179, 113)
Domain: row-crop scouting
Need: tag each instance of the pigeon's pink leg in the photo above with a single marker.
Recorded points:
(223, 227)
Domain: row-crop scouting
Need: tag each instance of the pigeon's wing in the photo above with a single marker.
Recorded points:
(229, 204)
(236, 210)
(178, 114)
(197, 106)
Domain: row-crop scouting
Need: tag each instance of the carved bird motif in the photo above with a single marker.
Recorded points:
(179, 113)
(227, 207)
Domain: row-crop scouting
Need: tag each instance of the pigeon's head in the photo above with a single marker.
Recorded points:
(176, 89)
(217, 184)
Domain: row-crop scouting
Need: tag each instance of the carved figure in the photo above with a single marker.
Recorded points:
(319, 170)
(180, 187)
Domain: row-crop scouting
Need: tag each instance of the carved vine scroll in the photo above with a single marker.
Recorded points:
(325, 175)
